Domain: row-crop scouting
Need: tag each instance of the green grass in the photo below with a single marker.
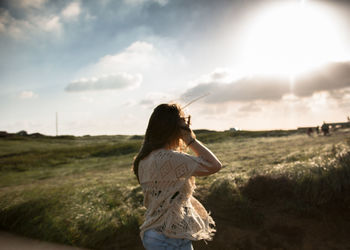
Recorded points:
(208, 136)
(81, 190)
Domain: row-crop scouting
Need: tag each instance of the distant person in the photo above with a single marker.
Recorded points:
(309, 131)
(318, 130)
(325, 129)
(174, 218)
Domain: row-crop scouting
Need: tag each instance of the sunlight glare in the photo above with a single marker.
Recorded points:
(290, 38)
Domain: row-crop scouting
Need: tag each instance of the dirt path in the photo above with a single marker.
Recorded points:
(13, 242)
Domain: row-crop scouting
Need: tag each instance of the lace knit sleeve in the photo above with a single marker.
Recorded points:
(186, 164)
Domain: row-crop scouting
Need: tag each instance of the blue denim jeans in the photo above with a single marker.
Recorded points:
(153, 240)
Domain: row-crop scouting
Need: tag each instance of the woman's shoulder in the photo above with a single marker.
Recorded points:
(157, 155)
(160, 157)
(165, 154)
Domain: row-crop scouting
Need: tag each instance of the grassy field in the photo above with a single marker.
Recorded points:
(277, 190)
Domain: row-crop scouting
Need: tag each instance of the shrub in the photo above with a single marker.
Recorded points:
(225, 199)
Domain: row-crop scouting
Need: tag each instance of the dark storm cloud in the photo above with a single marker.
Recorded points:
(331, 77)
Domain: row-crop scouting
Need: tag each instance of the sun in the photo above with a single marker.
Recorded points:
(290, 38)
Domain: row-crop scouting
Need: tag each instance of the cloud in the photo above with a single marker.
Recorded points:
(11, 26)
(140, 2)
(250, 107)
(32, 19)
(344, 103)
(330, 77)
(24, 28)
(89, 17)
(27, 95)
(139, 57)
(154, 98)
(29, 3)
(106, 82)
(245, 89)
(72, 11)
(51, 24)
(138, 54)
(220, 74)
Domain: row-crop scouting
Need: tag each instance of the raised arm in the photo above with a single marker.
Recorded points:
(212, 165)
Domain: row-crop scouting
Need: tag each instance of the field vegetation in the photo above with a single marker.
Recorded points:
(277, 190)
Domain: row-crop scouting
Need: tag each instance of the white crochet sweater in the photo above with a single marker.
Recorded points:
(167, 183)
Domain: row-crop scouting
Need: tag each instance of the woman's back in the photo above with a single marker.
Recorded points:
(167, 182)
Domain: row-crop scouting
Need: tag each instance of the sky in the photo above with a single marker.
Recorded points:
(103, 66)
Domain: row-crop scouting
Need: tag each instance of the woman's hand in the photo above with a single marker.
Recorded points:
(213, 164)
(187, 134)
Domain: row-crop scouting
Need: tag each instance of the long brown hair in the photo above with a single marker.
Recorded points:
(163, 130)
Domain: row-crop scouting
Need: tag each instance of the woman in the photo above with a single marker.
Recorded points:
(174, 217)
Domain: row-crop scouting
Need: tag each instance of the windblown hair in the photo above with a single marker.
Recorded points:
(163, 130)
